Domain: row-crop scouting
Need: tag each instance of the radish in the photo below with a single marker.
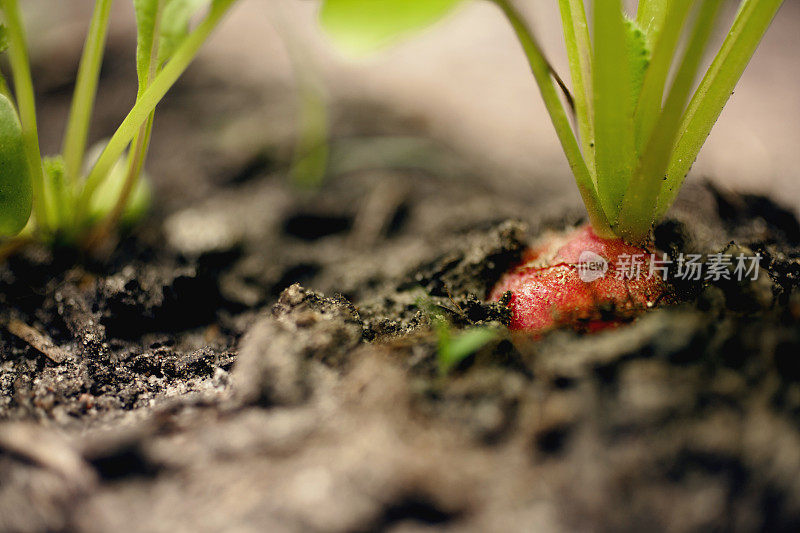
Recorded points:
(637, 128)
(582, 280)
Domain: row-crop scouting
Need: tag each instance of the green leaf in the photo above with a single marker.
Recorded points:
(453, 350)
(25, 100)
(148, 17)
(558, 115)
(162, 25)
(175, 25)
(148, 100)
(360, 26)
(16, 195)
(85, 94)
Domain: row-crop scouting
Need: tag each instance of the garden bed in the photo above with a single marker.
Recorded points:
(255, 356)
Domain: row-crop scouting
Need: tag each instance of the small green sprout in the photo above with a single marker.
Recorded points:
(77, 198)
(639, 125)
(452, 348)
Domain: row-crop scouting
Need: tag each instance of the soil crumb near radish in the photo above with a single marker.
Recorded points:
(257, 358)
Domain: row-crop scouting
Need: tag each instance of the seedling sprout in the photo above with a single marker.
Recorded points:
(74, 198)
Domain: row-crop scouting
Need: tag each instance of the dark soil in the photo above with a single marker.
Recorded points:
(255, 358)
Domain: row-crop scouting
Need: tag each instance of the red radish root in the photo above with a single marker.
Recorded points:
(562, 282)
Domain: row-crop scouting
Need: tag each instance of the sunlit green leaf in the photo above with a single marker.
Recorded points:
(638, 207)
(579, 52)
(175, 25)
(664, 48)
(162, 25)
(650, 16)
(147, 16)
(360, 26)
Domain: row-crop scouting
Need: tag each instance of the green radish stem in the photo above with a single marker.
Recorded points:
(80, 114)
(614, 149)
(637, 214)
(715, 90)
(579, 51)
(542, 73)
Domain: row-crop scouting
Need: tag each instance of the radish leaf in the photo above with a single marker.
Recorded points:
(108, 193)
(83, 99)
(148, 24)
(175, 25)
(633, 140)
(360, 26)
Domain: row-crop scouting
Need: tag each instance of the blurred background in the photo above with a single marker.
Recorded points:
(686, 421)
(468, 85)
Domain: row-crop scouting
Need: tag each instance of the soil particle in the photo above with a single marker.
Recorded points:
(480, 260)
(82, 323)
(305, 328)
